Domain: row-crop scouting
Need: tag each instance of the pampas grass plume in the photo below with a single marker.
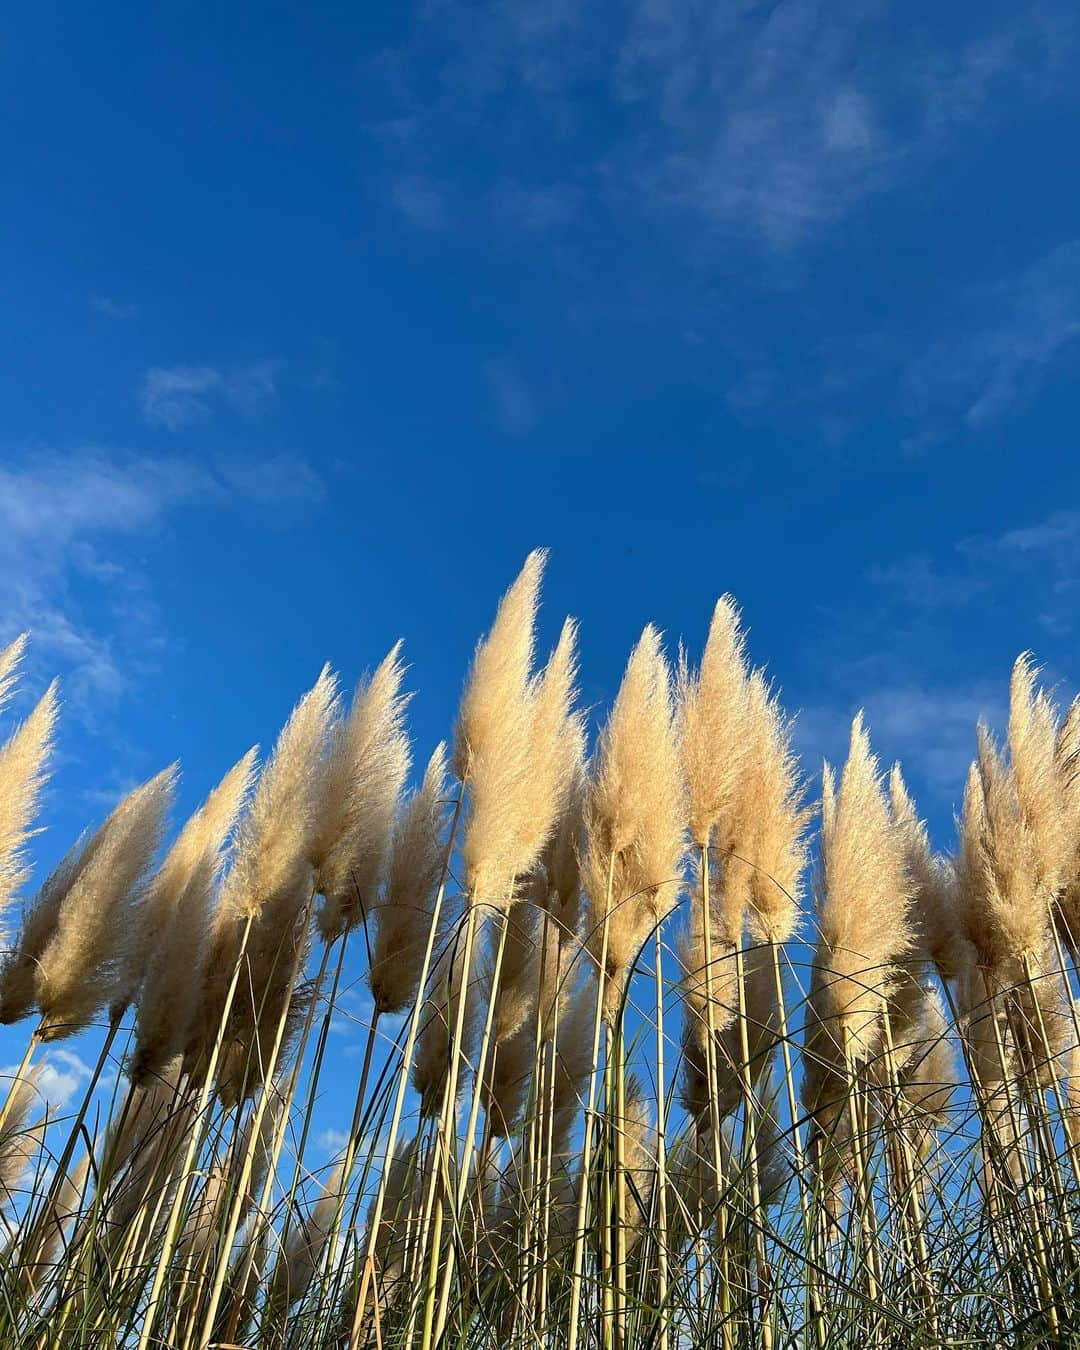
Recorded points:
(23, 758)
(73, 937)
(403, 915)
(365, 774)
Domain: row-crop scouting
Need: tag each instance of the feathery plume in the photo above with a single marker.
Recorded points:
(365, 774)
(271, 882)
(403, 915)
(304, 1246)
(274, 840)
(775, 817)
(201, 1223)
(634, 818)
(82, 968)
(500, 671)
(1067, 754)
(1003, 903)
(639, 1160)
(142, 1145)
(864, 920)
(572, 1058)
(517, 768)
(439, 1017)
(10, 660)
(46, 1239)
(23, 758)
(712, 706)
(926, 1063)
(19, 963)
(1033, 737)
(177, 911)
(935, 923)
(19, 1142)
(67, 955)
(699, 979)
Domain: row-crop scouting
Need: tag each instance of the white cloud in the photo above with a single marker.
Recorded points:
(516, 404)
(847, 124)
(176, 396)
(421, 201)
(1041, 559)
(112, 309)
(59, 1076)
(63, 518)
(536, 208)
(272, 480)
(979, 359)
(332, 1142)
(930, 730)
(1004, 339)
(756, 119)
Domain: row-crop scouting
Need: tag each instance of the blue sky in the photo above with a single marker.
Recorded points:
(321, 316)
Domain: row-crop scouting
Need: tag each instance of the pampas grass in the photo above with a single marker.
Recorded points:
(365, 773)
(69, 956)
(23, 760)
(637, 1095)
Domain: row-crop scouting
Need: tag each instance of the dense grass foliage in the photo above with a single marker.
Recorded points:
(658, 1052)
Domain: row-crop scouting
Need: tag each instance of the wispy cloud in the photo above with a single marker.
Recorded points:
(1005, 338)
(62, 519)
(770, 120)
(516, 404)
(1039, 562)
(536, 208)
(971, 358)
(421, 200)
(175, 396)
(113, 309)
(930, 730)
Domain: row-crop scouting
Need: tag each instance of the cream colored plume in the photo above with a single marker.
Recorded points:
(438, 1020)
(1002, 889)
(501, 670)
(403, 914)
(172, 954)
(506, 1080)
(560, 866)
(67, 957)
(143, 1144)
(639, 1160)
(365, 774)
(1068, 768)
(864, 921)
(775, 818)
(634, 818)
(935, 922)
(23, 759)
(10, 661)
(1033, 736)
(46, 1240)
(80, 968)
(271, 857)
(699, 977)
(19, 1141)
(202, 1221)
(19, 963)
(270, 882)
(712, 710)
(305, 1245)
(517, 762)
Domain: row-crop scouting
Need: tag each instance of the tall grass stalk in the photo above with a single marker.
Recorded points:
(886, 1153)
